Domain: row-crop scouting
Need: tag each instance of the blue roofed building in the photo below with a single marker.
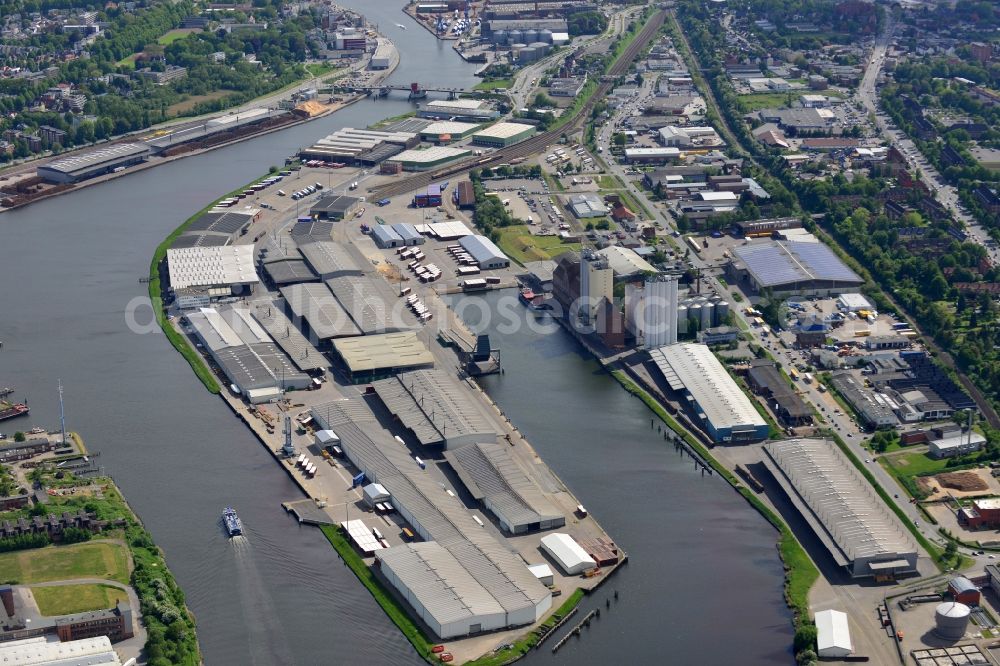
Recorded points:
(792, 268)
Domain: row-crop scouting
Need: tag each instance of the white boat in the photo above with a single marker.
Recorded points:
(401, 26)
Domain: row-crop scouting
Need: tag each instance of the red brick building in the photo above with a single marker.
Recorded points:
(980, 514)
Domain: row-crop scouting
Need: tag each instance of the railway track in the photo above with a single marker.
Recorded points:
(539, 142)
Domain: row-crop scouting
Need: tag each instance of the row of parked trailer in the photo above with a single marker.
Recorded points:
(250, 191)
(463, 258)
(321, 163)
(308, 468)
(419, 309)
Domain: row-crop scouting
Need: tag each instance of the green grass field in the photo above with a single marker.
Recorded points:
(493, 85)
(914, 464)
(84, 560)
(760, 101)
(66, 599)
(173, 35)
(522, 247)
(318, 69)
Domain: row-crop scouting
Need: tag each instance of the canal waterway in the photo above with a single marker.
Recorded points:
(704, 580)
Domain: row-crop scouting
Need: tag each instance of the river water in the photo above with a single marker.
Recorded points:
(703, 563)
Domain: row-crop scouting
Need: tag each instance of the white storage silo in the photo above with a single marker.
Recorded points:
(694, 314)
(515, 37)
(721, 312)
(682, 319)
(951, 620)
(545, 36)
(500, 37)
(530, 35)
(707, 309)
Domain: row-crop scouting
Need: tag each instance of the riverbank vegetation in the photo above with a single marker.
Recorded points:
(171, 637)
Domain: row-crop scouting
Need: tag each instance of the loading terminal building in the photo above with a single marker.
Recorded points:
(303, 354)
(792, 267)
(693, 371)
(502, 135)
(245, 353)
(217, 227)
(320, 315)
(842, 508)
(467, 582)
(434, 408)
(93, 163)
(426, 159)
(335, 207)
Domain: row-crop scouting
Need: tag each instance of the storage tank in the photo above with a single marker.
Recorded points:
(500, 37)
(951, 619)
(694, 312)
(707, 310)
(525, 55)
(682, 318)
(545, 36)
(530, 36)
(515, 37)
(541, 48)
(721, 312)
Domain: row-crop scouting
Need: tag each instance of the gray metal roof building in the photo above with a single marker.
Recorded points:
(329, 259)
(385, 237)
(289, 271)
(494, 478)
(200, 240)
(441, 591)
(843, 509)
(315, 305)
(369, 300)
(435, 408)
(439, 517)
(484, 251)
(302, 352)
(310, 232)
(408, 233)
(335, 207)
(794, 267)
(93, 163)
(725, 410)
(245, 353)
(873, 409)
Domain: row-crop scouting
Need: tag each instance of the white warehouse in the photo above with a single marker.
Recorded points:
(485, 252)
(441, 591)
(567, 553)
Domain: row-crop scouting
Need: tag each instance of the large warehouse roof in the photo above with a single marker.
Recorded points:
(328, 259)
(491, 475)
(211, 266)
(445, 588)
(856, 519)
(694, 367)
(435, 515)
(482, 249)
(434, 407)
(314, 303)
(288, 337)
(504, 130)
(776, 263)
(429, 155)
(382, 352)
(368, 300)
(76, 164)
